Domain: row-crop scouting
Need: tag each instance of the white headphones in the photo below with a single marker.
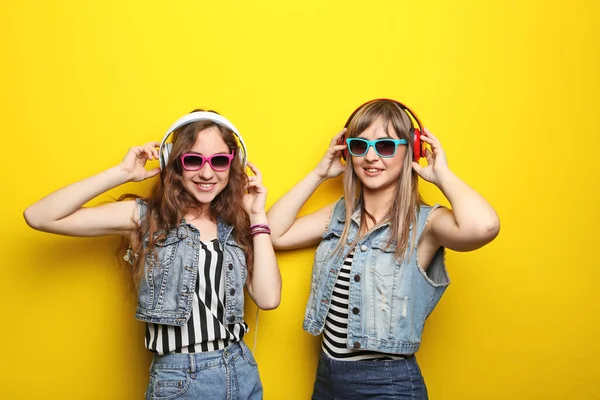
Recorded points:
(165, 148)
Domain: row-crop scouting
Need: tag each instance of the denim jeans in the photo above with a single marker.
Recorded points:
(228, 374)
(381, 380)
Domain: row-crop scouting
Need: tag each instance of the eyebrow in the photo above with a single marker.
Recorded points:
(380, 137)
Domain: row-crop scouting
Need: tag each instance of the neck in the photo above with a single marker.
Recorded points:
(378, 202)
(201, 212)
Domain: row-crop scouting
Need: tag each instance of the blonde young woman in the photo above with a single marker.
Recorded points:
(379, 268)
(196, 242)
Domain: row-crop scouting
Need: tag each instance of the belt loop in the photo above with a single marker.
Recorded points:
(192, 358)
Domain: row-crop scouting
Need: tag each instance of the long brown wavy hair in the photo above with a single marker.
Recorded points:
(168, 201)
(402, 213)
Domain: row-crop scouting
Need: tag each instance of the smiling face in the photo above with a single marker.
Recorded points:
(375, 172)
(205, 184)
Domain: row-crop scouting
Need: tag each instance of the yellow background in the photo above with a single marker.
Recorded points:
(510, 87)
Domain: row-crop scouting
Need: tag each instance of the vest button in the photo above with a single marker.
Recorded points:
(355, 310)
(364, 247)
(356, 345)
(230, 266)
(357, 278)
(232, 292)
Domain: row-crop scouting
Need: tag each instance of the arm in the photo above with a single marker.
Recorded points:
(264, 284)
(62, 212)
(290, 232)
(472, 222)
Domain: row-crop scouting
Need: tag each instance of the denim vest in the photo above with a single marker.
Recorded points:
(389, 300)
(166, 289)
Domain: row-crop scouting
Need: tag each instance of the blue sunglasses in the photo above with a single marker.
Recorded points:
(384, 148)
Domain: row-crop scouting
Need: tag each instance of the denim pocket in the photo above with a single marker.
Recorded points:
(382, 259)
(168, 384)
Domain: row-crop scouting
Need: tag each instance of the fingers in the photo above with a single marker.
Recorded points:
(254, 170)
(152, 172)
(147, 151)
(151, 152)
(337, 137)
(435, 144)
(430, 137)
(418, 169)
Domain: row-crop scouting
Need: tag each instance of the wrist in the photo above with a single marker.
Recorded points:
(444, 177)
(260, 229)
(314, 175)
(257, 219)
(120, 174)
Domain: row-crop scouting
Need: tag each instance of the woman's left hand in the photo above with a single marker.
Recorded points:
(256, 198)
(436, 159)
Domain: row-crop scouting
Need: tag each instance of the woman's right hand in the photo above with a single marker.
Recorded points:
(135, 160)
(330, 165)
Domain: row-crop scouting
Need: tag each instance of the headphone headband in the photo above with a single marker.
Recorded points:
(196, 116)
(402, 106)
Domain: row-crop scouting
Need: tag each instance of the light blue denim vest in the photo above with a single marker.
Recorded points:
(389, 299)
(166, 289)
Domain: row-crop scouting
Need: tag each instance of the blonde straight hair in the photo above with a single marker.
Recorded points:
(402, 213)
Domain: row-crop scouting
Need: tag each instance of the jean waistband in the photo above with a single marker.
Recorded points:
(402, 358)
(198, 361)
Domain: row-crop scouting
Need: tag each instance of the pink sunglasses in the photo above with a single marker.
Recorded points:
(218, 162)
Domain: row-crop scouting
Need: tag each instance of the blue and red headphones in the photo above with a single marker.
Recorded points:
(415, 130)
(165, 148)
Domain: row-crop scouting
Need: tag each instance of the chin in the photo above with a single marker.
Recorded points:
(375, 185)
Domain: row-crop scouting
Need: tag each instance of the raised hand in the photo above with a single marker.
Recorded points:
(436, 159)
(330, 165)
(256, 197)
(135, 161)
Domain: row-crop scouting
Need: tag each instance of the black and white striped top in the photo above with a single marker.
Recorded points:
(205, 330)
(336, 323)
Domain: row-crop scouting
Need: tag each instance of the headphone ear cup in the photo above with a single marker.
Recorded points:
(417, 145)
(165, 153)
(341, 141)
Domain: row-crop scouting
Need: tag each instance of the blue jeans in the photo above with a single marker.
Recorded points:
(381, 380)
(228, 374)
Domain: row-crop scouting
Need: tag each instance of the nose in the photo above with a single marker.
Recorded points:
(371, 154)
(206, 171)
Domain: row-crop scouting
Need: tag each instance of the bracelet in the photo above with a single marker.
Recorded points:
(260, 233)
(259, 229)
(259, 226)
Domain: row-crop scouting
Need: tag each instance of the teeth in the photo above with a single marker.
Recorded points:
(372, 170)
(206, 185)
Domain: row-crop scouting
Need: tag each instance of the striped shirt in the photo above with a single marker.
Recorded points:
(205, 330)
(335, 333)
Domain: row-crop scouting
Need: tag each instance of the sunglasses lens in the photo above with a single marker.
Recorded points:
(192, 162)
(385, 148)
(358, 147)
(220, 162)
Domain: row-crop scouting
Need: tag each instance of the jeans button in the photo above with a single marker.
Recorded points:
(232, 292)
(357, 278)
(356, 345)
(231, 318)
(355, 310)
(230, 266)
(364, 247)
